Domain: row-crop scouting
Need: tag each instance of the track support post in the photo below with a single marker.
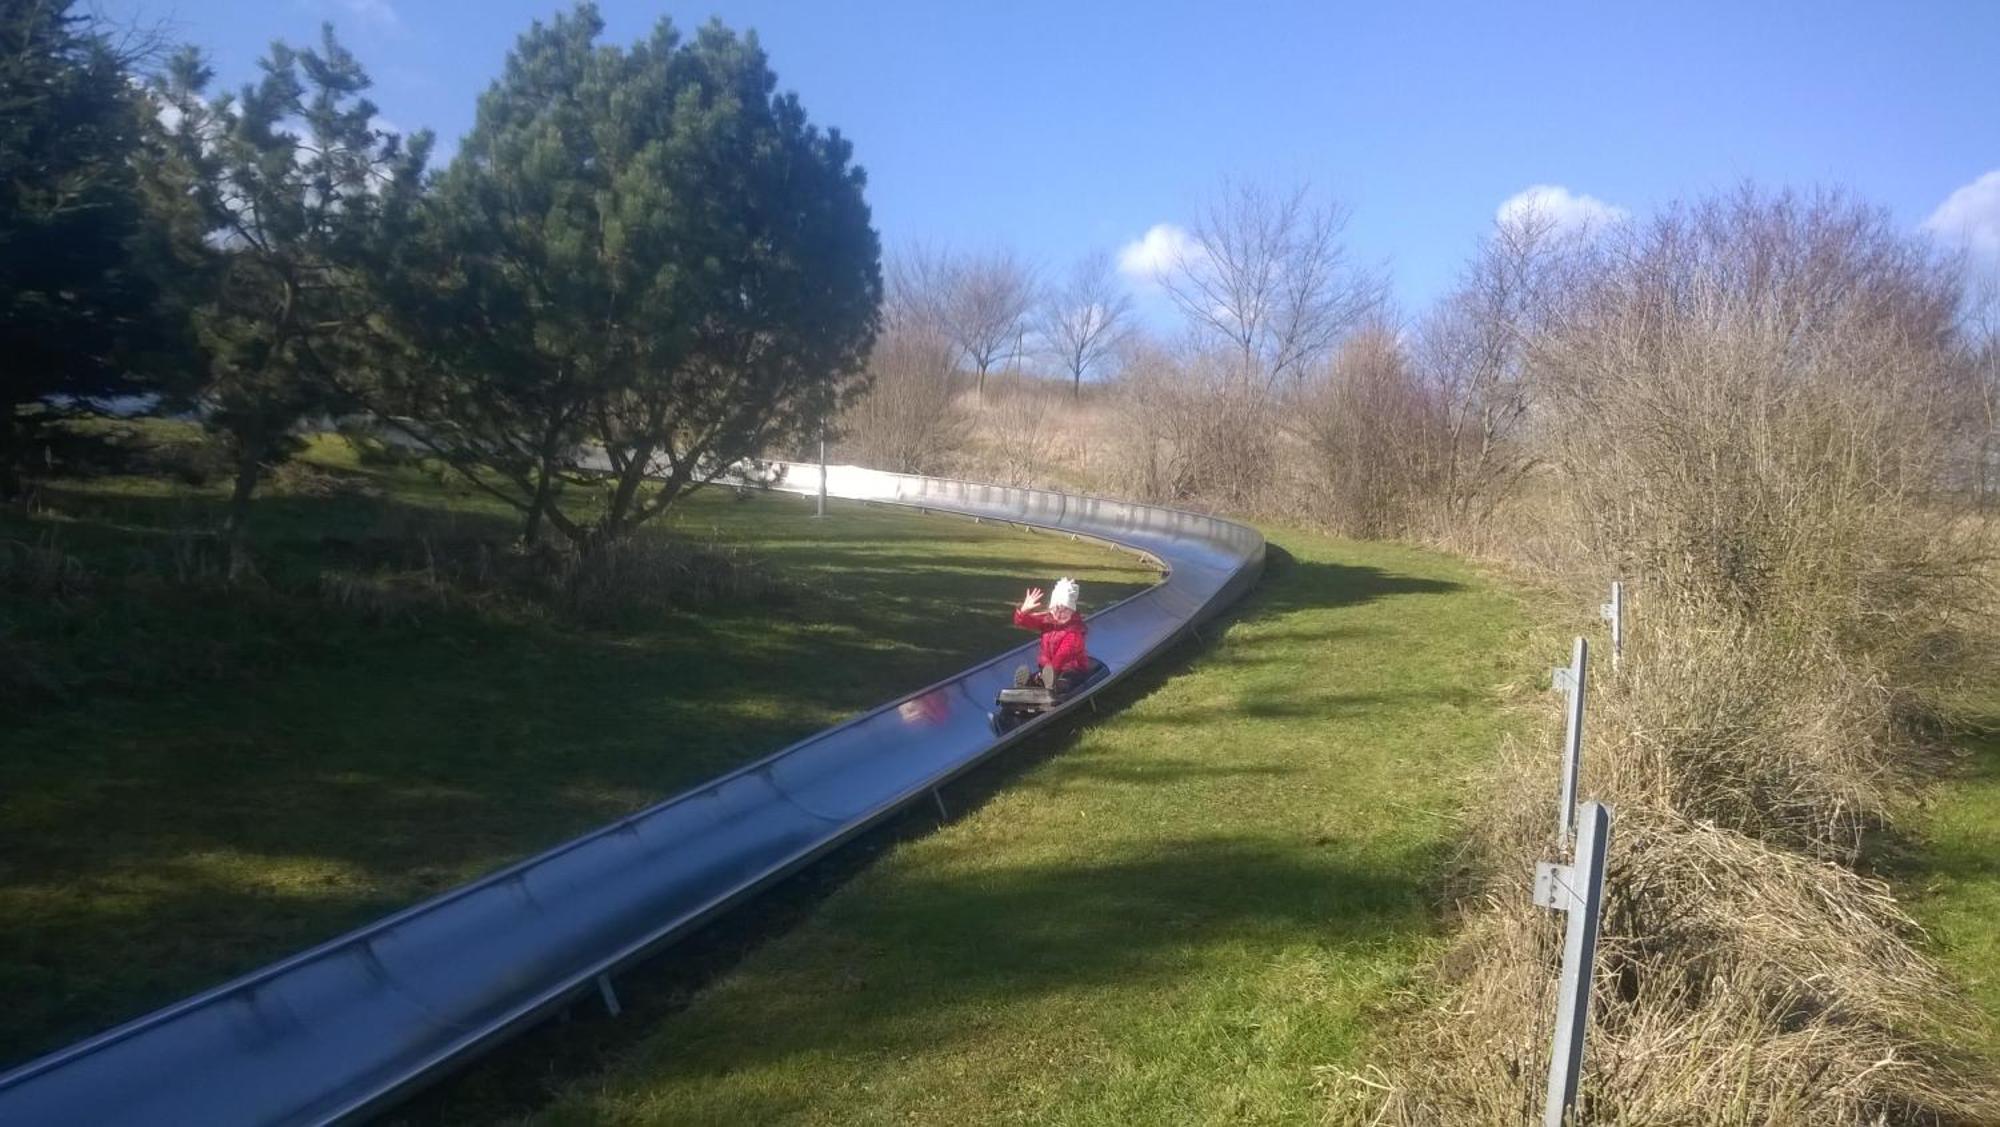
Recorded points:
(1576, 889)
(1613, 612)
(1573, 680)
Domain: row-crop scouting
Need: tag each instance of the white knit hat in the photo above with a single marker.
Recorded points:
(1064, 594)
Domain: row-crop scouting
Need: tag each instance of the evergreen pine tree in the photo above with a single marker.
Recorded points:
(279, 194)
(75, 310)
(641, 256)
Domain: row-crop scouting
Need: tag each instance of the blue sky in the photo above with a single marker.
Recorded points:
(1060, 128)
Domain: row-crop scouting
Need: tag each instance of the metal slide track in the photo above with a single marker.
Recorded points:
(352, 1025)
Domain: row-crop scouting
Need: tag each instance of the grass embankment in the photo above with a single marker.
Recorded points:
(1178, 918)
(199, 777)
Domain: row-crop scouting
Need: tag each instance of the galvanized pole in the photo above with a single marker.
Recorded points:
(820, 511)
(1574, 680)
(1614, 613)
(1577, 889)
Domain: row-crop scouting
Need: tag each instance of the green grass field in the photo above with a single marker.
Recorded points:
(1184, 913)
(201, 777)
(1952, 876)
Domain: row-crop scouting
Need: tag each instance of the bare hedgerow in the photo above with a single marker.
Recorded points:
(1761, 403)
(1373, 437)
(1473, 352)
(910, 421)
(1194, 433)
(1759, 416)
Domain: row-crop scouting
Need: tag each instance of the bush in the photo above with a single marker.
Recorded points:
(910, 421)
(198, 461)
(42, 571)
(653, 573)
(1194, 432)
(401, 579)
(1372, 437)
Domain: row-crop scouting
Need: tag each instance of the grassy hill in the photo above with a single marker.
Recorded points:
(202, 776)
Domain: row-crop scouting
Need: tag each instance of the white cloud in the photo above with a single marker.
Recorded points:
(1970, 217)
(378, 14)
(1163, 247)
(1568, 210)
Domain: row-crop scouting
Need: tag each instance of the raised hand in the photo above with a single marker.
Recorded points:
(1033, 598)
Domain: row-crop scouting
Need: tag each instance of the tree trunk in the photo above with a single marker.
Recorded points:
(532, 534)
(13, 451)
(236, 524)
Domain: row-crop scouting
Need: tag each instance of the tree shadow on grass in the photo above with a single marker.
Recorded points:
(1899, 853)
(1291, 584)
(920, 968)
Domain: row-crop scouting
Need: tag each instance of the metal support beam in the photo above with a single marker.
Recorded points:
(820, 510)
(609, 995)
(1614, 613)
(943, 814)
(1578, 890)
(1575, 681)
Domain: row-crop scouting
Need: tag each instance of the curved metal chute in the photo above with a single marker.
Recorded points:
(351, 1025)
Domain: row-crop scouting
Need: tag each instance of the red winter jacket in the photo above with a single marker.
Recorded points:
(1062, 646)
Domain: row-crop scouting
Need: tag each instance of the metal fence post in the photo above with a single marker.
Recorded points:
(820, 511)
(1578, 890)
(1614, 613)
(1574, 680)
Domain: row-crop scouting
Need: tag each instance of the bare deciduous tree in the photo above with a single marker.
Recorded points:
(911, 421)
(1193, 432)
(1982, 338)
(1084, 321)
(1763, 397)
(1269, 275)
(1018, 421)
(986, 301)
(1374, 432)
(1474, 349)
(918, 291)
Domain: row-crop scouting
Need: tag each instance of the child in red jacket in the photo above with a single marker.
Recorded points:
(1062, 659)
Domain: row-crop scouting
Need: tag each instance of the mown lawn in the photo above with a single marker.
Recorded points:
(199, 777)
(1191, 911)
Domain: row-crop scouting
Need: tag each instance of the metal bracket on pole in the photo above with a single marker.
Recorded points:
(609, 995)
(1614, 613)
(1578, 890)
(1575, 680)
